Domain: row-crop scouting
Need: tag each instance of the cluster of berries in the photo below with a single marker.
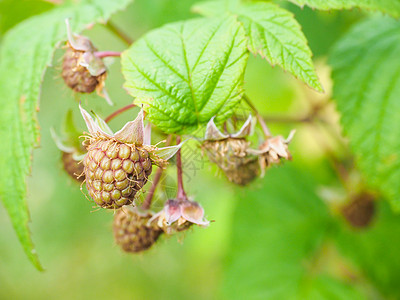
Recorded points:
(116, 166)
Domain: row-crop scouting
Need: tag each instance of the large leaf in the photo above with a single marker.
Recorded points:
(273, 33)
(277, 231)
(187, 72)
(391, 7)
(366, 73)
(13, 12)
(26, 51)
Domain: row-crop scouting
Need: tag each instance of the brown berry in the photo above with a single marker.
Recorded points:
(231, 156)
(132, 230)
(72, 167)
(78, 77)
(360, 211)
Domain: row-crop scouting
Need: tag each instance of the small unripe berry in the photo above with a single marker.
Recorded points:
(115, 172)
(78, 77)
(245, 172)
(72, 167)
(133, 231)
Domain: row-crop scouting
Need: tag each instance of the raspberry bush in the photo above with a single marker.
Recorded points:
(300, 167)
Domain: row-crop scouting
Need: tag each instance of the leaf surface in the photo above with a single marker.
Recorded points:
(366, 74)
(187, 72)
(273, 33)
(26, 51)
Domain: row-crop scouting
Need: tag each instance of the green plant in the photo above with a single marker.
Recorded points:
(188, 77)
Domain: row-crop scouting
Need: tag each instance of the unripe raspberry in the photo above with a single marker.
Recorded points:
(73, 167)
(133, 231)
(78, 77)
(71, 148)
(245, 172)
(82, 70)
(115, 172)
(117, 165)
(229, 153)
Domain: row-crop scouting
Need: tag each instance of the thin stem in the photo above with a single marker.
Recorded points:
(101, 54)
(149, 197)
(118, 32)
(288, 119)
(260, 119)
(181, 194)
(118, 112)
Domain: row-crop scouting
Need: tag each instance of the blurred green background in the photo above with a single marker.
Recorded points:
(280, 238)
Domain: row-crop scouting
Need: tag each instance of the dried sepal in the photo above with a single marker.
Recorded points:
(132, 132)
(179, 215)
(273, 150)
(214, 134)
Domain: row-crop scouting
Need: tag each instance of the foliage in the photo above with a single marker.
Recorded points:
(25, 53)
(366, 72)
(290, 235)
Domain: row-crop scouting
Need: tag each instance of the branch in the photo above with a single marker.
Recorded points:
(181, 194)
(118, 32)
(260, 119)
(149, 197)
(101, 54)
(118, 112)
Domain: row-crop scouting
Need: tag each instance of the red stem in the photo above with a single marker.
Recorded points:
(118, 112)
(149, 197)
(181, 195)
(101, 54)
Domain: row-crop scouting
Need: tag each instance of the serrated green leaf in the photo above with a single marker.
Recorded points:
(277, 231)
(26, 51)
(391, 7)
(187, 72)
(366, 73)
(272, 33)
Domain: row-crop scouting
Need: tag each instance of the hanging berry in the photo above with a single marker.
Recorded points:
(133, 230)
(117, 165)
(71, 148)
(229, 152)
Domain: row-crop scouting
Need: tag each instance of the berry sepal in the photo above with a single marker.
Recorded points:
(179, 215)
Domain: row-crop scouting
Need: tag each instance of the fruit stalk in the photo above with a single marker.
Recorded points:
(118, 112)
(101, 54)
(147, 202)
(260, 119)
(181, 194)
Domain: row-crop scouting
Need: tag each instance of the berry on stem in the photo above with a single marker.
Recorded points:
(117, 165)
(133, 231)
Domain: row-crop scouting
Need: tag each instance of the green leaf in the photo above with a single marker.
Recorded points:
(391, 7)
(187, 72)
(26, 51)
(12, 12)
(272, 33)
(278, 232)
(376, 250)
(366, 73)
